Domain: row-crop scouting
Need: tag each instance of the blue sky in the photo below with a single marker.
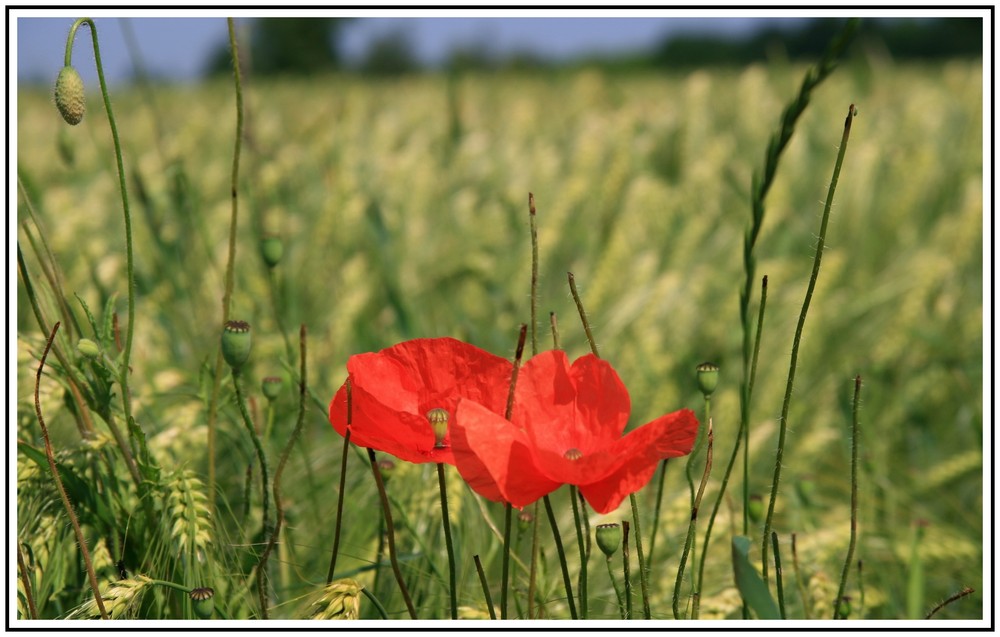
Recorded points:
(177, 47)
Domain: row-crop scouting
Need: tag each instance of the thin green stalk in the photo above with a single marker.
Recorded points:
(265, 504)
(618, 590)
(954, 598)
(783, 422)
(583, 553)
(533, 568)
(798, 579)
(562, 555)
(276, 484)
(555, 330)
(626, 571)
(50, 456)
(534, 273)
(689, 541)
(231, 259)
(661, 480)
(855, 430)
(26, 583)
(583, 319)
(486, 588)
(505, 573)
(447, 540)
(374, 600)
(777, 576)
(390, 536)
(129, 261)
(638, 551)
(861, 590)
(340, 492)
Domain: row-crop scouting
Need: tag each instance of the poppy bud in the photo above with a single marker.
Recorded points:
(708, 378)
(271, 249)
(236, 343)
(87, 348)
(70, 98)
(203, 602)
(756, 508)
(439, 423)
(386, 467)
(845, 607)
(271, 386)
(524, 520)
(609, 538)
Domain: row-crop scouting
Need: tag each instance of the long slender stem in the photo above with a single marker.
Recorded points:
(562, 555)
(689, 542)
(340, 492)
(583, 318)
(505, 572)
(638, 552)
(783, 422)
(50, 456)
(618, 591)
(800, 583)
(26, 583)
(778, 578)
(954, 598)
(276, 485)
(486, 588)
(583, 553)
(265, 503)
(534, 273)
(855, 430)
(626, 571)
(374, 600)
(447, 540)
(390, 535)
(661, 480)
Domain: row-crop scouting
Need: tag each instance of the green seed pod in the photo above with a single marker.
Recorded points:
(88, 348)
(271, 386)
(708, 378)
(439, 422)
(203, 602)
(756, 508)
(271, 249)
(386, 467)
(609, 538)
(236, 343)
(70, 95)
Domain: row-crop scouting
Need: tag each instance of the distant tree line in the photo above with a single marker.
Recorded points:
(304, 46)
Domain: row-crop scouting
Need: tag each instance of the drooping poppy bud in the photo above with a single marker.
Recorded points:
(609, 538)
(708, 378)
(70, 96)
(236, 343)
(524, 520)
(271, 249)
(203, 602)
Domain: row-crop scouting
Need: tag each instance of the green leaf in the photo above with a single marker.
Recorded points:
(752, 588)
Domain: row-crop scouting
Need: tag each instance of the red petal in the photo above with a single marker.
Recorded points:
(489, 448)
(668, 436)
(583, 407)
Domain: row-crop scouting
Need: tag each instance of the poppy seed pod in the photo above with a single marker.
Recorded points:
(236, 343)
(439, 423)
(271, 386)
(708, 378)
(70, 96)
(203, 602)
(271, 249)
(609, 538)
(524, 520)
(386, 467)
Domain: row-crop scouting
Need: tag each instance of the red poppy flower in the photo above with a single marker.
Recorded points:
(566, 428)
(395, 391)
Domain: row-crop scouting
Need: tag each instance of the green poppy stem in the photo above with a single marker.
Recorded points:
(626, 571)
(340, 491)
(447, 540)
(854, 496)
(633, 501)
(797, 339)
(583, 554)
(374, 600)
(662, 471)
(390, 536)
(618, 590)
(689, 540)
(778, 578)
(562, 555)
(505, 576)
(486, 588)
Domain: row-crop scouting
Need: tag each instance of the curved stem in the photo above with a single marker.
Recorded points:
(340, 492)
(562, 555)
(81, 540)
(374, 600)
(689, 541)
(618, 590)
(390, 535)
(486, 588)
(854, 497)
(583, 554)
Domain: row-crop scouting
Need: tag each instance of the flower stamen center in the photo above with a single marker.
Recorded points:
(573, 454)
(438, 418)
